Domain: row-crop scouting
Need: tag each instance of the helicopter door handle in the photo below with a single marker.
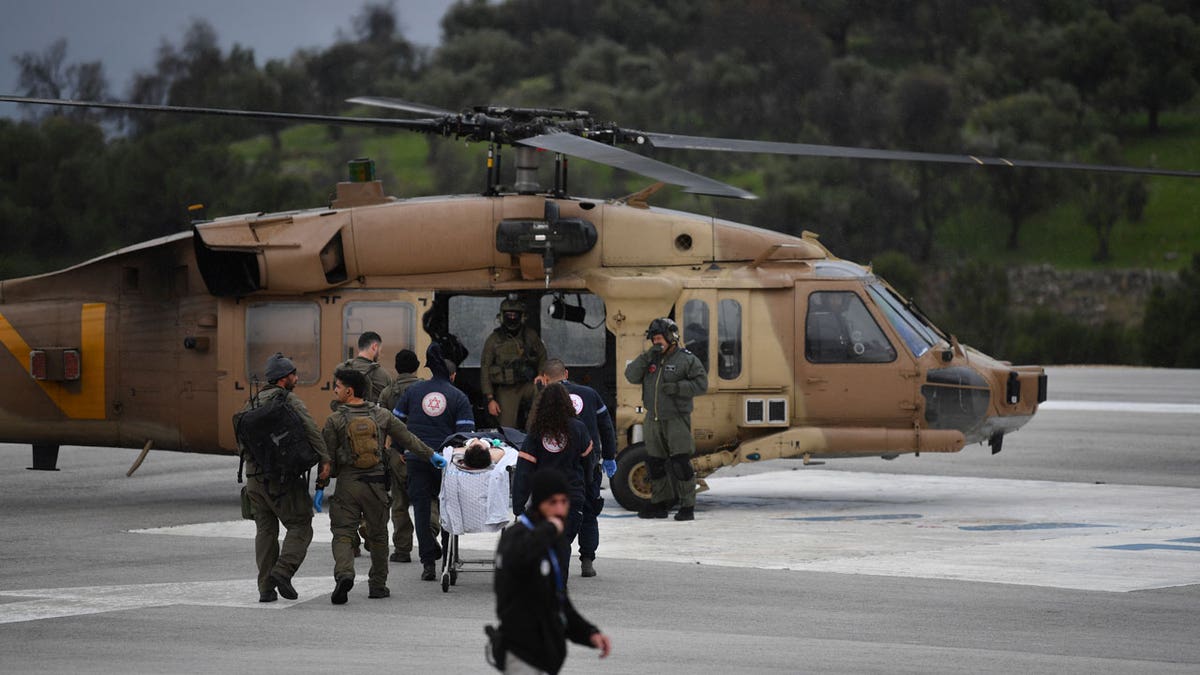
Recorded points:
(816, 380)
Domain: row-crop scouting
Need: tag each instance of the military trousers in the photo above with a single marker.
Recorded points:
(294, 510)
(666, 439)
(511, 399)
(355, 501)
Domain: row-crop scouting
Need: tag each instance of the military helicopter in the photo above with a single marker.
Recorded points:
(810, 356)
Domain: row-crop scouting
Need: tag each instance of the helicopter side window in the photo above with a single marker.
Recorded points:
(695, 329)
(293, 328)
(840, 329)
(394, 321)
(729, 339)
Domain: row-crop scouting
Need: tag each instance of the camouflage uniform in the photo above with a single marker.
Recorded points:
(668, 420)
(508, 364)
(361, 494)
(293, 509)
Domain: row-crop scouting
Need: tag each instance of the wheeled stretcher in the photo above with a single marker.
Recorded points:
(474, 498)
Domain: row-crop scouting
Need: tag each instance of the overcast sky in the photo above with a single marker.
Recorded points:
(125, 34)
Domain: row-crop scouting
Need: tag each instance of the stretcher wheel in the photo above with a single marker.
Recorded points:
(445, 583)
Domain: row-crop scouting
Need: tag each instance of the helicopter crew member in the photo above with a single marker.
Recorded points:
(536, 614)
(433, 409)
(355, 435)
(367, 363)
(512, 357)
(558, 441)
(276, 565)
(402, 524)
(592, 411)
(671, 377)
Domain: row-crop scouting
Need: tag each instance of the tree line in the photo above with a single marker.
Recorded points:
(1070, 80)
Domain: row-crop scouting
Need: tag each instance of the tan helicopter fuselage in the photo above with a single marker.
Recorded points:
(171, 333)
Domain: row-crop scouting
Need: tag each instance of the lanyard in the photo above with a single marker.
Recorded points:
(551, 556)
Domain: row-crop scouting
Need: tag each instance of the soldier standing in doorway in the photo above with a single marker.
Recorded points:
(512, 356)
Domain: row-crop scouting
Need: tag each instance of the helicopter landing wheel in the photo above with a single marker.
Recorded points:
(631, 483)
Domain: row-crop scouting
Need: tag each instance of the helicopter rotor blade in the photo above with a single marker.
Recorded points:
(398, 104)
(676, 141)
(425, 125)
(576, 146)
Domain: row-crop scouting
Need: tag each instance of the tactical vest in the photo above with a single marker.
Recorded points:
(513, 361)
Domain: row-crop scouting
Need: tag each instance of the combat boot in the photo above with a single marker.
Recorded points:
(341, 590)
(401, 556)
(686, 513)
(285, 587)
(379, 592)
(427, 573)
(589, 570)
(268, 595)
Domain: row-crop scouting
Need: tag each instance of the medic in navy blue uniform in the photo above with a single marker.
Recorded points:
(433, 410)
(591, 410)
(556, 440)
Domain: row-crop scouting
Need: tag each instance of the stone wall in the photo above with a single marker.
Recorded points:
(1090, 296)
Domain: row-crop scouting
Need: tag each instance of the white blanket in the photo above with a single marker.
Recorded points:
(476, 500)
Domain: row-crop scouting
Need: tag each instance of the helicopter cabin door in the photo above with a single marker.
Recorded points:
(849, 372)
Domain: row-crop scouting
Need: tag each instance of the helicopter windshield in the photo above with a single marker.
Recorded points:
(916, 333)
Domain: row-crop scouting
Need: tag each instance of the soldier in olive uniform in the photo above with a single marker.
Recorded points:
(361, 490)
(402, 524)
(276, 566)
(512, 356)
(367, 363)
(671, 377)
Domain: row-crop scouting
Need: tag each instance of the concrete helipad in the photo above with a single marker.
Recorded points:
(1036, 533)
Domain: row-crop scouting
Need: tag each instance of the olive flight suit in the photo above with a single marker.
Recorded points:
(293, 508)
(669, 383)
(508, 363)
(361, 493)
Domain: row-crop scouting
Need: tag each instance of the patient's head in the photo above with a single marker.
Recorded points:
(477, 456)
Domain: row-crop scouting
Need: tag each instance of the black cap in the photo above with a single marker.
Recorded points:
(406, 361)
(545, 484)
(278, 367)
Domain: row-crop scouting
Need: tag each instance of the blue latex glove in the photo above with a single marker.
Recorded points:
(318, 499)
(610, 467)
(438, 461)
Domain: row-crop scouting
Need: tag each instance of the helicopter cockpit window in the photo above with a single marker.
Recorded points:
(695, 329)
(840, 329)
(575, 332)
(729, 339)
(394, 321)
(916, 335)
(293, 328)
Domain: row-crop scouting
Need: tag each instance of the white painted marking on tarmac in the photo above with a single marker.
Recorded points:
(1033, 533)
(54, 603)
(1122, 407)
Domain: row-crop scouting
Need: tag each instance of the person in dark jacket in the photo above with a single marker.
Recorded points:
(556, 440)
(591, 410)
(433, 410)
(536, 614)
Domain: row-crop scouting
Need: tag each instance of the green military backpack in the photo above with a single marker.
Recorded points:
(362, 434)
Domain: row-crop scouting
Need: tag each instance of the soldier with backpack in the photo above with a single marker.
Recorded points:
(356, 434)
(279, 443)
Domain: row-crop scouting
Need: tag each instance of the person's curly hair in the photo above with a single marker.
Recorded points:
(552, 414)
